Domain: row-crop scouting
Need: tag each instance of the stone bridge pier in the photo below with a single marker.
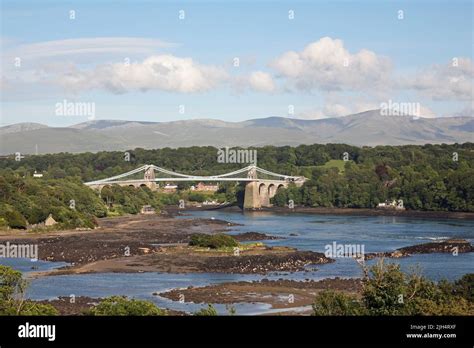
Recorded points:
(258, 193)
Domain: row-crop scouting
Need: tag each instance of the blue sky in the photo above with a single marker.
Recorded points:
(189, 62)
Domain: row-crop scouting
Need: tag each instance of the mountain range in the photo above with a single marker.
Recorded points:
(368, 128)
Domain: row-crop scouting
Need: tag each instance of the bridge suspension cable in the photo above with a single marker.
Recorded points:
(246, 169)
(121, 175)
(267, 172)
(165, 171)
(183, 177)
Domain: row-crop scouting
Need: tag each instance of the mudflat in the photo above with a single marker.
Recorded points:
(280, 294)
(154, 243)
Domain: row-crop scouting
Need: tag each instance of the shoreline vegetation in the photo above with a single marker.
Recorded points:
(104, 231)
(383, 290)
(171, 211)
(161, 243)
(428, 178)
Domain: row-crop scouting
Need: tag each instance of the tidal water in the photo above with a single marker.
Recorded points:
(302, 231)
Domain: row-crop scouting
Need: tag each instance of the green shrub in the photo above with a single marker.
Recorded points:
(385, 288)
(329, 302)
(197, 197)
(389, 291)
(210, 311)
(12, 291)
(465, 287)
(122, 306)
(15, 219)
(213, 241)
(32, 308)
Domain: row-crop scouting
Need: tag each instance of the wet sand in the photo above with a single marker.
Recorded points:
(280, 294)
(153, 243)
(159, 243)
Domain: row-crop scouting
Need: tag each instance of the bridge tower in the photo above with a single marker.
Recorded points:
(252, 173)
(149, 174)
(149, 178)
(258, 191)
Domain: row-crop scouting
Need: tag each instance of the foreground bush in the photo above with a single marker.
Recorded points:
(15, 219)
(12, 296)
(210, 311)
(330, 302)
(213, 241)
(465, 287)
(389, 291)
(122, 306)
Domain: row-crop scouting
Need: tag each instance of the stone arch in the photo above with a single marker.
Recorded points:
(272, 190)
(262, 189)
(263, 195)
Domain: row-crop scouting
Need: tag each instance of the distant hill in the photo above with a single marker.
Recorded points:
(21, 127)
(367, 128)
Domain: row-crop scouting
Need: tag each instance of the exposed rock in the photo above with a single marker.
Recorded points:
(261, 264)
(254, 236)
(446, 246)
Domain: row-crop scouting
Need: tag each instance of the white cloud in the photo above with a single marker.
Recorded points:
(90, 47)
(426, 112)
(162, 72)
(261, 81)
(326, 65)
(444, 82)
(338, 105)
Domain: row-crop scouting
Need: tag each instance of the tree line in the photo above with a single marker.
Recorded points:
(425, 177)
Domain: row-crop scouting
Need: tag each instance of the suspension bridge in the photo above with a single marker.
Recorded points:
(261, 184)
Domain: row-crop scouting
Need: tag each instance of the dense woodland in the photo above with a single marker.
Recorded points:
(429, 177)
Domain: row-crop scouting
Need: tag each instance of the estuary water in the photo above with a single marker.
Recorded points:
(302, 231)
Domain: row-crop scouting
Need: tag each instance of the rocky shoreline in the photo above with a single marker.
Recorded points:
(184, 259)
(154, 243)
(355, 212)
(159, 243)
(254, 236)
(81, 305)
(280, 294)
(453, 246)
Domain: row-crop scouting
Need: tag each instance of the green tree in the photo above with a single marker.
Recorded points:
(281, 198)
(12, 296)
(122, 306)
(15, 219)
(210, 311)
(213, 241)
(389, 291)
(329, 302)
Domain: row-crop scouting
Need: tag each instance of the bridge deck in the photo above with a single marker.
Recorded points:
(141, 181)
(149, 176)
